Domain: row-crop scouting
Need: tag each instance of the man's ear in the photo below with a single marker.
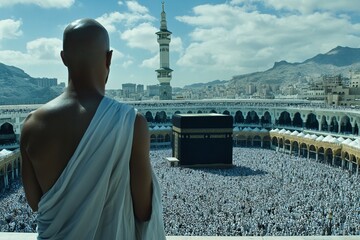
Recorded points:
(108, 58)
(63, 57)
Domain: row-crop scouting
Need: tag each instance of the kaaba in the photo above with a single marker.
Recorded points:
(202, 140)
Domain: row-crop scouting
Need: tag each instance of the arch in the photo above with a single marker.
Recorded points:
(149, 117)
(297, 121)
(177, 112)
(2, 183)
(239, 118)
(353, 163)
(266, 118)
(226, 112)
(345, 125)
(312, 151)
(199, 111)
(287, 145)
(337, 159)
(312, 122)
(347, 160)
(295, 147)
(266, 142)
(284, 119)
(321, 154)
(356, 129)
(334, 126)
(252, 118)
(257, 141)
(167, 138)
(161, 117)
(160, 138)
(328, 155)
(274, 142)
(249, 141)
(241, 141)
(281, 143)
(303, 150)
(324, 124)
(213, 111)
(189, 112)
(9, 170)
(153, 138)
(7, 128)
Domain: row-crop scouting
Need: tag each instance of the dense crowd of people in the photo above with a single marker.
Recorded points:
(265, 193)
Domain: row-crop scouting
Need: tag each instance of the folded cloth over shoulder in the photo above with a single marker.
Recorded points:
(92, 197)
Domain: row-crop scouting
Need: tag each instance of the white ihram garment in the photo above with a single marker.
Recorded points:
(92, 197)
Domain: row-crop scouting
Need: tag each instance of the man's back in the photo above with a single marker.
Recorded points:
(56, 130)
(85, 157)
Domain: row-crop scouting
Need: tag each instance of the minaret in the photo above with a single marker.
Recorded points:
(164, 72)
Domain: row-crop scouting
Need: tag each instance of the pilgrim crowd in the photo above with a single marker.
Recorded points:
(265, 193)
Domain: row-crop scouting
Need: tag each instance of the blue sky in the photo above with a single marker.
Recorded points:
(211, 39)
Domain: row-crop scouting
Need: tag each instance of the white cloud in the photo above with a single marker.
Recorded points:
(40, 3)
(143, 36)
(109, 20)
(233, 38)
(135, 7)
(39, 51)
(45, 48)
(151, 63)
(306, 6)
(120, 3)
(10, 29)
(14, 57)
(127, 63)
(176, 44)
(136, 14)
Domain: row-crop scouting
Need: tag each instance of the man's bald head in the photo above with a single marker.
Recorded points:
(85, 31)
(86, 49)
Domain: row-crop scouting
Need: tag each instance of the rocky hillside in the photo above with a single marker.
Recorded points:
(16, 88)
(337, 61)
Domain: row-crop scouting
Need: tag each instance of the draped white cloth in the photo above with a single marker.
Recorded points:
(92, 197)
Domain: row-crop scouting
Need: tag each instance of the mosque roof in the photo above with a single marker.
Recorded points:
(319, 138)
(294, 133)
(301, 134)
(354, 144)
(327, 138)
(314, 136)
(307, 136)
(282, 131)
(5, 152)
(347, 141)
(334, 140)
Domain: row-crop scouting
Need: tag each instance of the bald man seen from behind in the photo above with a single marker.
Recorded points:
(85, 157)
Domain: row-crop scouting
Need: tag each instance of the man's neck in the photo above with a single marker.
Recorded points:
(84, 91)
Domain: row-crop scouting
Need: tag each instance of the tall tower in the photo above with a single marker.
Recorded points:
(164, 72)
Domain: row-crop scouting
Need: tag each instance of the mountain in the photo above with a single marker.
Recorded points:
(339, 56)
(339, 60)
(200, 85)
(17, 87)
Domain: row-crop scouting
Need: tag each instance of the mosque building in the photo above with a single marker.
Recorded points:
(164, 72)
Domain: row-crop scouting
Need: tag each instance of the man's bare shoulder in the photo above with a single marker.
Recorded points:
(44, 118)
